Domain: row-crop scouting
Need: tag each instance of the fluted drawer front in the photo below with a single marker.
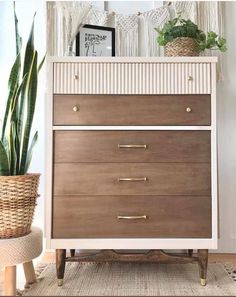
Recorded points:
(132, 110)
(132, 146)
(132, 78)
(132, 179)
(131, 217)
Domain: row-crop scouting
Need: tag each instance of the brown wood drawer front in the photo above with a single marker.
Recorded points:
(148, 146)
(132, 110)
(161, 179)
(96, 217)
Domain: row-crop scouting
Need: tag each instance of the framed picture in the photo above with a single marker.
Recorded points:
(95, 41)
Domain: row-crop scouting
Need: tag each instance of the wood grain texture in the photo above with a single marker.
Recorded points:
(102, 179)
(132, 110)
(96, 217)
(102, 146)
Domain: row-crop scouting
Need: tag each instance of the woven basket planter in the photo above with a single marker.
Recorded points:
(18, 195)
(181, 46)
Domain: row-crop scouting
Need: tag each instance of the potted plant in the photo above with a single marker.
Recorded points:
(18, 188)
(183, 38)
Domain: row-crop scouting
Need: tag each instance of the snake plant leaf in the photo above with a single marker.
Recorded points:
(4, 164)
(15, 99)
(41, 63)
(12, 86)
(17, 35)
(12, 149)
(29, 54)
(30, 151)
(31, 99)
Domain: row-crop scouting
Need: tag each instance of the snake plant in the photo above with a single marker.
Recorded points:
(16, 143)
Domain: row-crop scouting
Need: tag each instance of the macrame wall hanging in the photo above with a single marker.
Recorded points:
(132, 31)
(149, 20)
(126, 35)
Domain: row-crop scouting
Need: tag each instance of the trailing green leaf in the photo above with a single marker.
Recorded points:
(31, 99)
(4, 164)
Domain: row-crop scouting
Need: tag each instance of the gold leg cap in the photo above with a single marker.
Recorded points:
(60, 282)
(203, 282)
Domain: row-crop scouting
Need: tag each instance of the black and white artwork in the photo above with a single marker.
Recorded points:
(95, 41)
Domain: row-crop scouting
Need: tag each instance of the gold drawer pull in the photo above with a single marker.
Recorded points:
(142, 217)
(132, 179)
(76, 108)
(132, 146)
(188, 109)
(190, 78)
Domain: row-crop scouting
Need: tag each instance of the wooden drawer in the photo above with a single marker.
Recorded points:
(153, 179)
(96, 217)
(132, 110)
(148, 146)
(131, 78)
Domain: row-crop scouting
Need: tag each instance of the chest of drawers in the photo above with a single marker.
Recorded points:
(131, 154)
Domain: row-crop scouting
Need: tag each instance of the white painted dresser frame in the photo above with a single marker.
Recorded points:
(203, 71)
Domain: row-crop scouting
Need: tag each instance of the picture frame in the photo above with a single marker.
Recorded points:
(95, 41)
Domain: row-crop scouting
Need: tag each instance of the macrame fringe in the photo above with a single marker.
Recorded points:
(150, 20)
(127, 35)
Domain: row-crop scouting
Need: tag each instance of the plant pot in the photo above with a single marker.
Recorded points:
(18, 195)
(181, 46)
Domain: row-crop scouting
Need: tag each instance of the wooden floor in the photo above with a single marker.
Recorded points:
(49, 257)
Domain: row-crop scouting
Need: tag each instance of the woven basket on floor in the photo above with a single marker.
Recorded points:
(181, 46)
(18, 195)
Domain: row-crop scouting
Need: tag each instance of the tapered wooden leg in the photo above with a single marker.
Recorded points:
(72, 253)
(190, 253)
(10, 281)
(60, 265)
(29, 273)
(202, 263)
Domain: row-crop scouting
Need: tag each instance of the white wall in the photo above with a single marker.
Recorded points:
(226, 100)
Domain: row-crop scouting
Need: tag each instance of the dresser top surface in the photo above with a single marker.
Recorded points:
(54, 59)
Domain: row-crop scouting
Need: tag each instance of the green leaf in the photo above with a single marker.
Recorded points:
(30, 151)
(179, 27)
(41, 63)
(4, 165)
(29, 53)
(15, 98)
(12, 87)
(31, 100)
(17, 35)
(12, 149)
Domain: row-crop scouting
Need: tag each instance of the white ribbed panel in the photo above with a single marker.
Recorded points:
(132, 78)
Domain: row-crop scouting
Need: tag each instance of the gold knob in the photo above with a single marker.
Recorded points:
(76, 108)
(190, 78)
(188, 109)
(76, 76)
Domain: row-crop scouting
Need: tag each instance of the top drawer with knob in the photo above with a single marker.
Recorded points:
(131, 110)
(131, 78)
